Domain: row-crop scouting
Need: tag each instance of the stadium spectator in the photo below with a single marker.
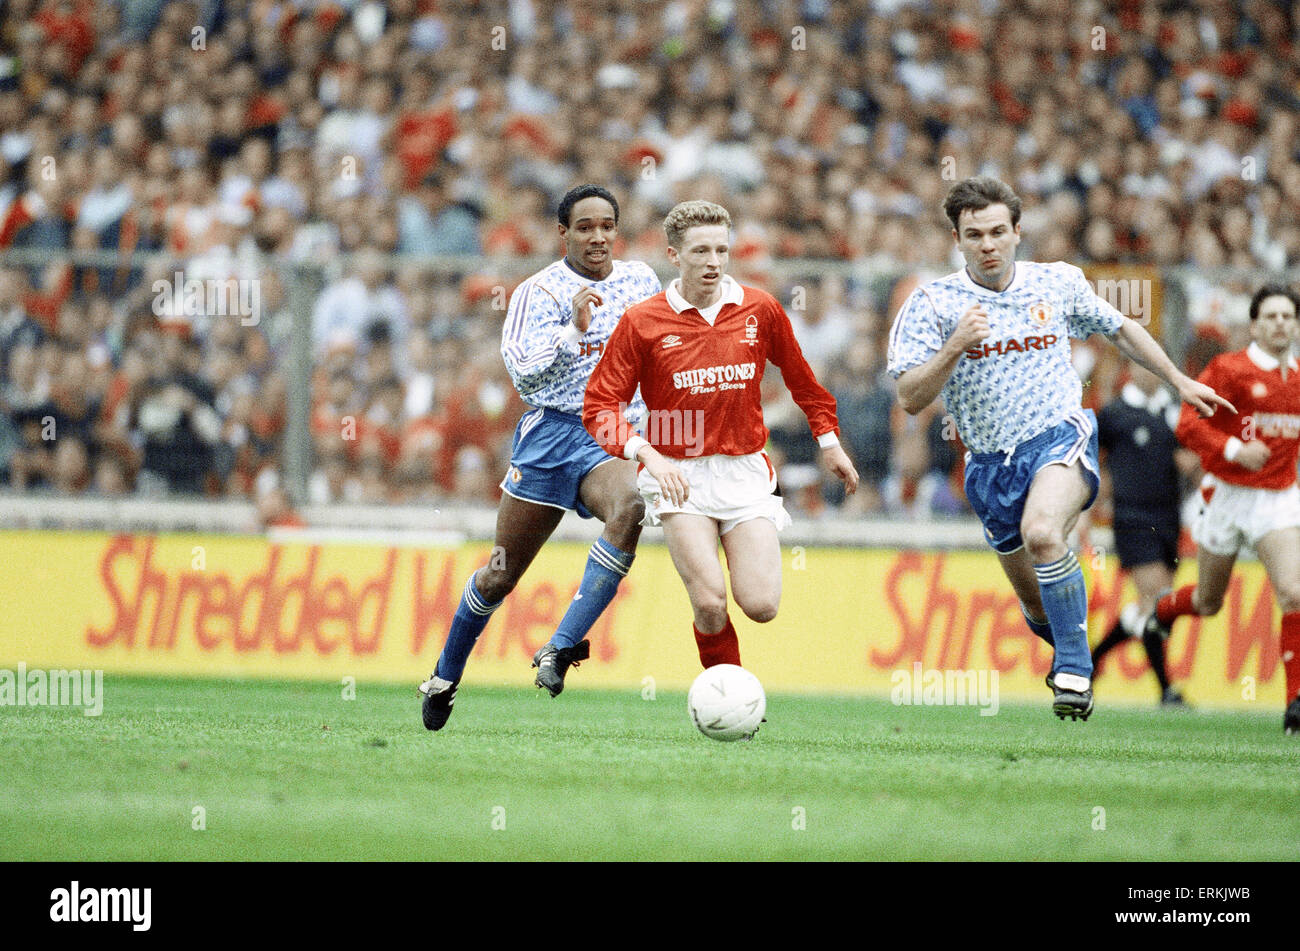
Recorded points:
(348, 309)
(176, 422)
(864, 399)
(431, 223)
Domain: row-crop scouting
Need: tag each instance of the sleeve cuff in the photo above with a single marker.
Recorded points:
(1231, 448)
(826, 440)
(634, 444)
(569, 336)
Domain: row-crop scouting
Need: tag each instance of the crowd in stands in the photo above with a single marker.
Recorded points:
(241, 138)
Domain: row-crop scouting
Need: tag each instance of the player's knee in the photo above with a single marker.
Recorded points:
(625, 519)
(761, 609)
(494, 582)
(710, 611)
(1044, 540)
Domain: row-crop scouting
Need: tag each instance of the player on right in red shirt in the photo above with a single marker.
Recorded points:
(1249, 491)
(698, 350)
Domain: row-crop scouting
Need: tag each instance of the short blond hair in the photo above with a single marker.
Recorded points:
(692, 214)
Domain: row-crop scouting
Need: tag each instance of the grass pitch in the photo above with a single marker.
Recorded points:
(290, 771)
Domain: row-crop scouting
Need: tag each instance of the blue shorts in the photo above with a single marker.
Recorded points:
(551, 455)
(997, 484)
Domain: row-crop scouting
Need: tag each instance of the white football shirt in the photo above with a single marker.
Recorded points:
(1018, 382)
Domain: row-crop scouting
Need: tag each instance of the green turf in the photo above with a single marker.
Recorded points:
(294, 771)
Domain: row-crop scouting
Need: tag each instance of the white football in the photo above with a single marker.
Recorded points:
(727, 702)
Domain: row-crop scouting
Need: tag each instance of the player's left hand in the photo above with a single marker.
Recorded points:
(837, 460)
(1202, 397)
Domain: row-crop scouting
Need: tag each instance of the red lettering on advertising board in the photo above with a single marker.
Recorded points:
(914, 629)
(328, 614)
(432, 613)
(526, 609)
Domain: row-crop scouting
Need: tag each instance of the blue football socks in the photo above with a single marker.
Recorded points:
(606, 567)
(1065, 599)
(1042, 628)
(471, 617)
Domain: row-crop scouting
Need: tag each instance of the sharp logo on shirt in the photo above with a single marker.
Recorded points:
(730, 376)
(1041, 312)
(587, 349)
(751, 330)
(672, 340)
(1003, 347)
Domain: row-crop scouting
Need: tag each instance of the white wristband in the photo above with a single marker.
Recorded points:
(1232, 447)
(570, 335)
(634, 444)
(826, 440)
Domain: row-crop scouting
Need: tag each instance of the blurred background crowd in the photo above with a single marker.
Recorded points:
(241, 137)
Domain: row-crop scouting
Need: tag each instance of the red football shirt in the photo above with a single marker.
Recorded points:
(1268, 408)
(701, 382)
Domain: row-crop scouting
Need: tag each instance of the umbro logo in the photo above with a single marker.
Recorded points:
(672, 340)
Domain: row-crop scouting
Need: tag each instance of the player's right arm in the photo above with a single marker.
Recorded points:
(920, 357)
(539, 340)
(1211, 438)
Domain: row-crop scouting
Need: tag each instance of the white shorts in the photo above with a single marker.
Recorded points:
(1236, 516)
(731, 489)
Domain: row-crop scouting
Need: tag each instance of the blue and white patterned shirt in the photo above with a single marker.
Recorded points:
(548, 359)
(1018, 382)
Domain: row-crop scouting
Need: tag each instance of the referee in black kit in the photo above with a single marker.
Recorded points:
(1136, 430)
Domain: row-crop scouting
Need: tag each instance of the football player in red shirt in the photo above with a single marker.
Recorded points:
(1250, 497)
(698, 350)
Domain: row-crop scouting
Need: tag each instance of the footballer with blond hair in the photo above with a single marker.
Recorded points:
(697, 351)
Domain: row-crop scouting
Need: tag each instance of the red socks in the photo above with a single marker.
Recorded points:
(1178, 604)
(1175, 605)
(1291, 653)
(719, 648)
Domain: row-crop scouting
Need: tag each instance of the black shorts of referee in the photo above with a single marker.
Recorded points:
(1143, 540)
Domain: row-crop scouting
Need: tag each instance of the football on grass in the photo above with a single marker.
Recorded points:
(727, 702)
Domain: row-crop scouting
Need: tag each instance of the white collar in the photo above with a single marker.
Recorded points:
(732, 293)
(972, 284)
(1154, 404)
(1266, 361)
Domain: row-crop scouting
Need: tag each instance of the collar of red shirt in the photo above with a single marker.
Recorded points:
(1266, 361)
(732, 293)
